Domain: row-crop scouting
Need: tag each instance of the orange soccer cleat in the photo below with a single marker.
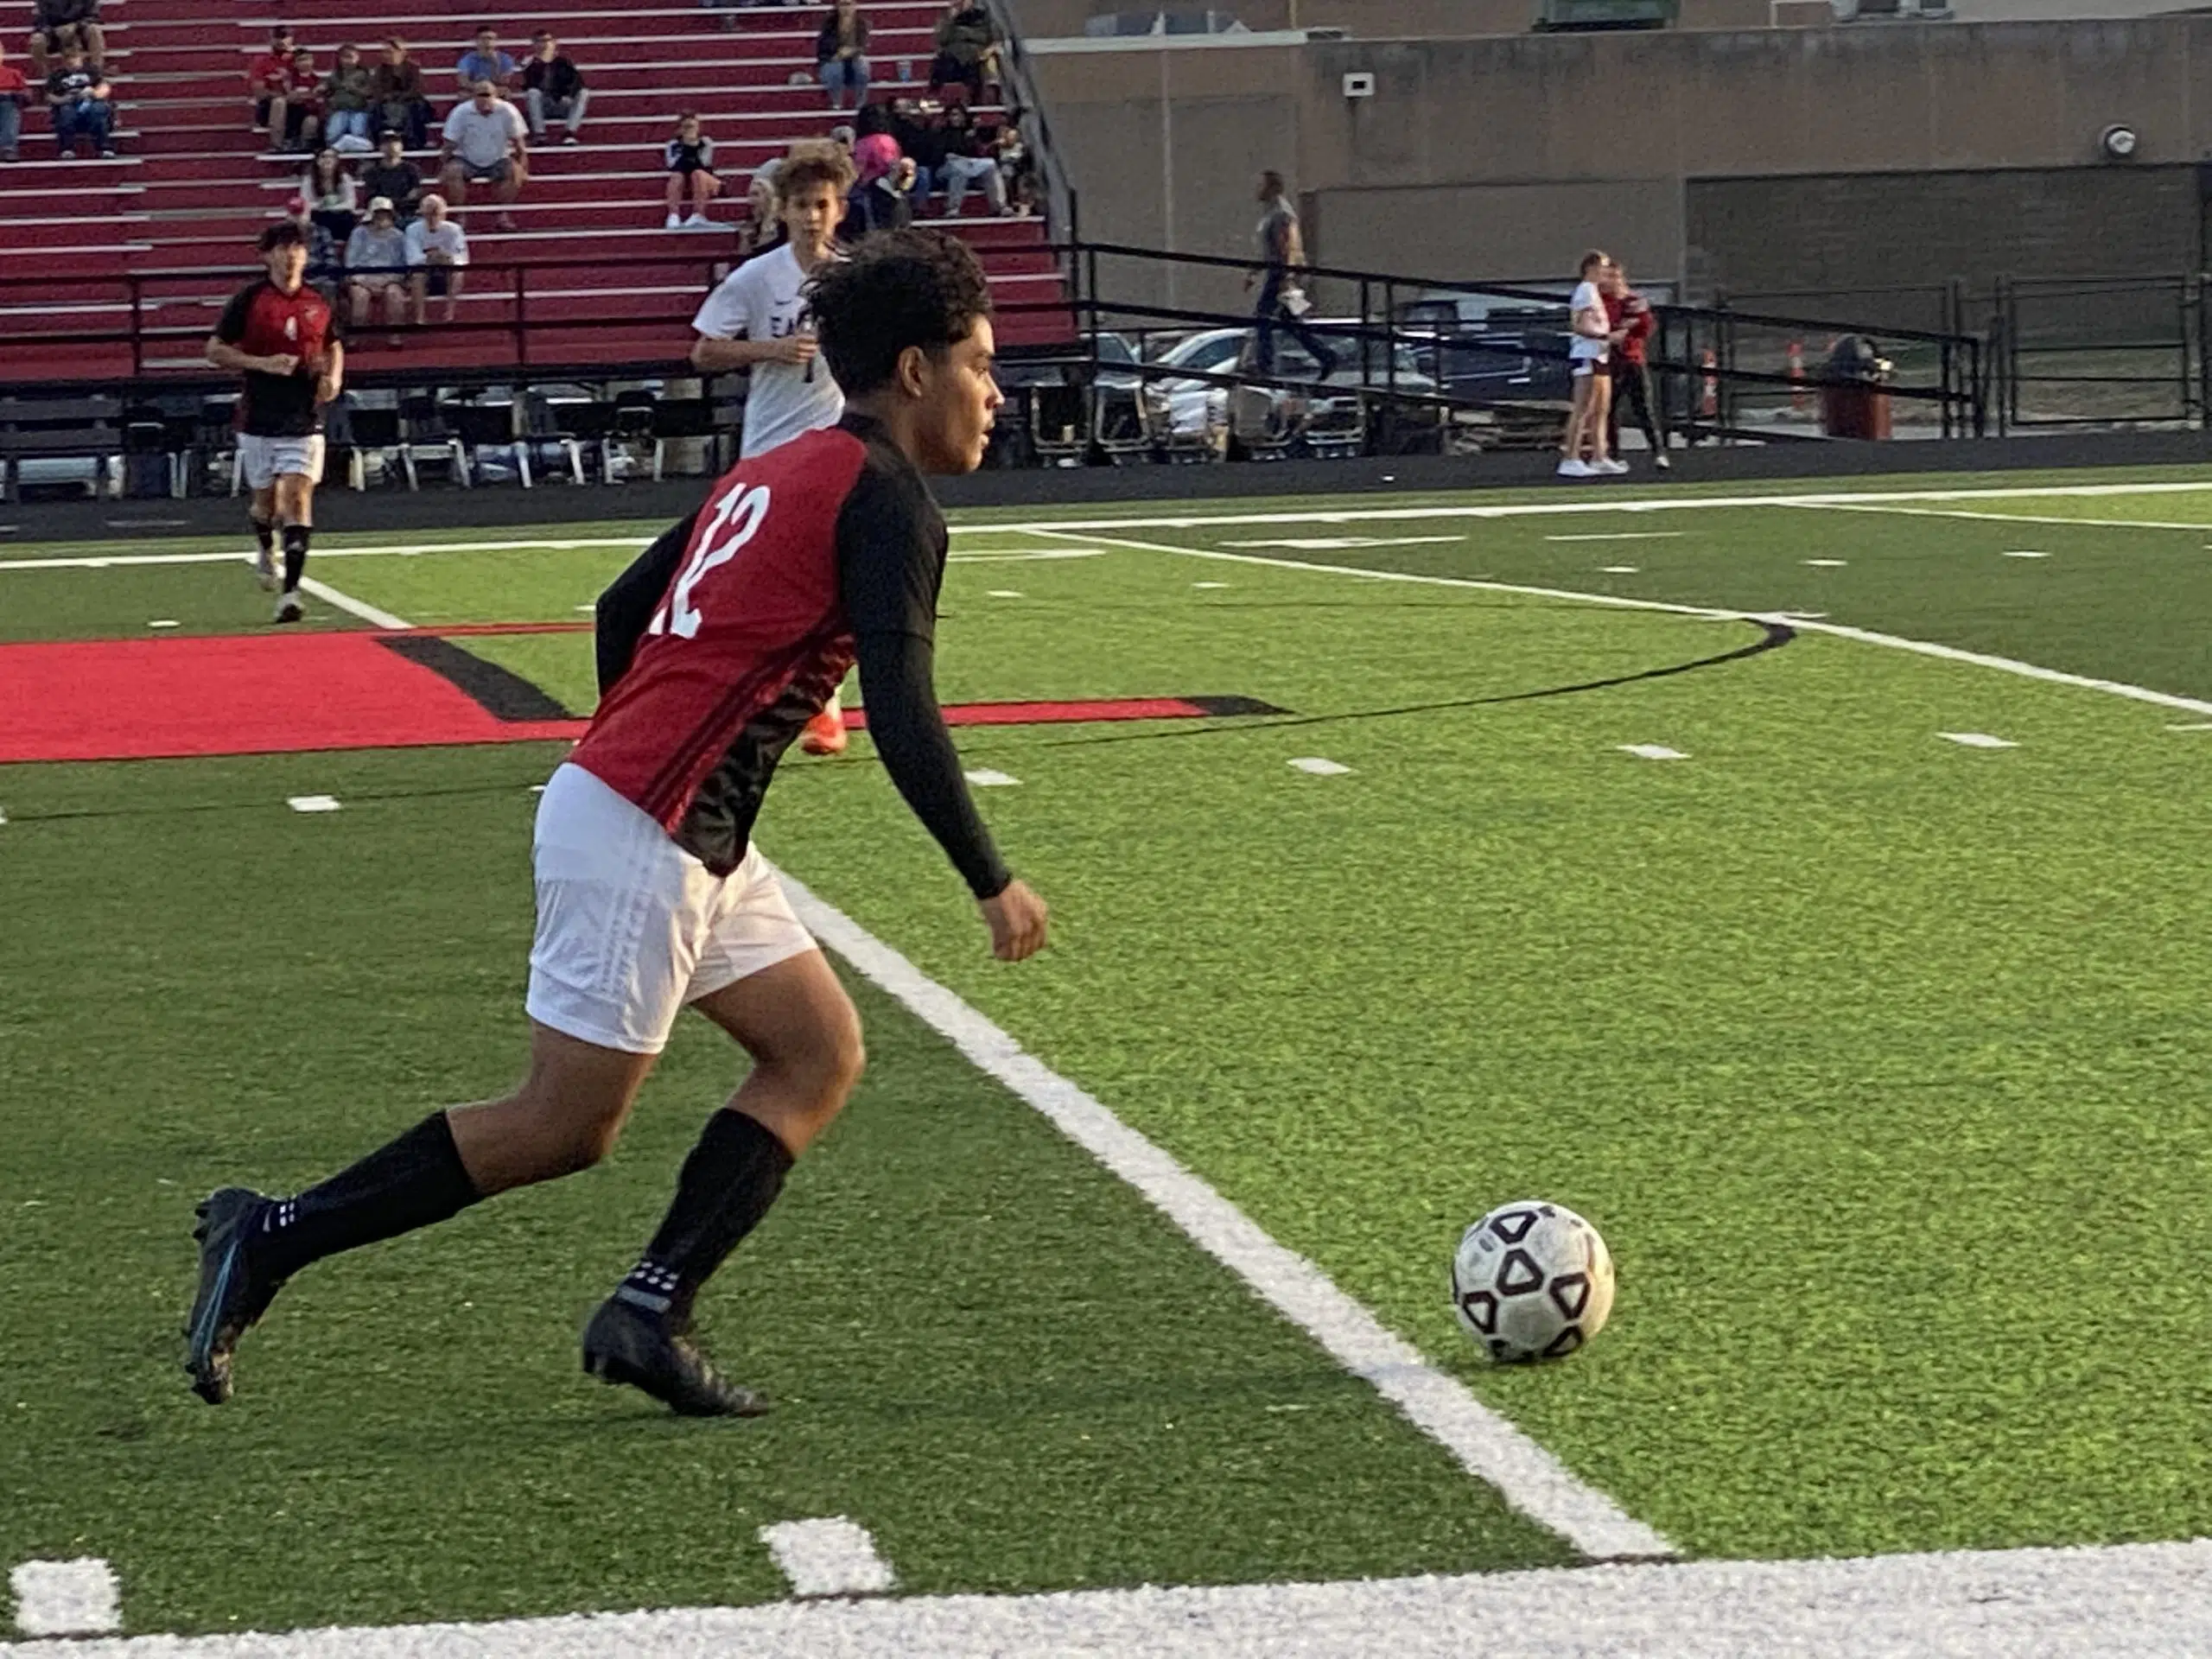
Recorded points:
(825, 733)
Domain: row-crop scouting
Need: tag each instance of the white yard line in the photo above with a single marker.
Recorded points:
(2005, 517)
(1487, 1445)
(1796, 620)
(103, 561)
(829, 1557)
(2146, 1601)
(360, 607)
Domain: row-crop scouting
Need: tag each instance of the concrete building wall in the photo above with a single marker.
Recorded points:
(1768, 158)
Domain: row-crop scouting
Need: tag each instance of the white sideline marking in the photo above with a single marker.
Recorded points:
(1621, 535)
(1805, 620)
(1979, 740)
(1602, 503)
(78, 1598)
(311, 802)
(2193, 726)
(368, 613)
(833, 1557)
(2014, 518)
(101, 562)
(1487, 1445)
(2136, 1599)
(986, 778)
(2024, 553)
(1022, 554)
(1652, 751)
(1827, 564)
(1320, 767)
(1332, 543)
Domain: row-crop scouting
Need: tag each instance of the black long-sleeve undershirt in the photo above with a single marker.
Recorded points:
(897, 680)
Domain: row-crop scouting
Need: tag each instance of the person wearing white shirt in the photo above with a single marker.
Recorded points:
(485, 141)
(437, 248)
(1590, 342)
(758, 319)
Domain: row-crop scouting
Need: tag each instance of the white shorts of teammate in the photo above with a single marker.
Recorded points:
(631, 927)
(267, 460)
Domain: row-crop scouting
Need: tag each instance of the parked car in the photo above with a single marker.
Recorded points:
(1192, 417)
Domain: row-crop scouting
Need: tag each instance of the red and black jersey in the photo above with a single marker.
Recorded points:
(1632, 312)
(728, 634)
(263, 320)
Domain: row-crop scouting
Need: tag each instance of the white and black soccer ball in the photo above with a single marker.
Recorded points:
(1532, 1281)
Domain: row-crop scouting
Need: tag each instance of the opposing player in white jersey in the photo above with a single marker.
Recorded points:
(758, 319)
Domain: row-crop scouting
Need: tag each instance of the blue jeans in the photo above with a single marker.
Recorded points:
(88, 118)
(843, 75)
(1270, 316)
(11, 125)
(339, 123)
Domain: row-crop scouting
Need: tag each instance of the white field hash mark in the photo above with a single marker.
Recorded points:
(311, 802)
(832, 1557)
(986, 778)
(1320, 767)
(1979, 740)
(1484, 1443)
(78, 1597)
(1652, 751)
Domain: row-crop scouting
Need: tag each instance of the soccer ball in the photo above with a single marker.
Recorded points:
(1532, 1281)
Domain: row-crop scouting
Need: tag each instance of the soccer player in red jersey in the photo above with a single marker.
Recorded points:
(715, 647)
(280, 335)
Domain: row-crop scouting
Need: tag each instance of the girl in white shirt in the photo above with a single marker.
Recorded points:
(1593, 387)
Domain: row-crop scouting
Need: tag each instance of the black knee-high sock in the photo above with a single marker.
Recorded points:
(295, 555)
(729, 1180)
(408, 1183)
(264, 531)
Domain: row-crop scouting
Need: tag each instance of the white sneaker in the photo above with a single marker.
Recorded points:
(698, 222)
(1571, 467)
(671, 223)
(1660, 461)
(264, 566)
(288, 608)
(1611, 464)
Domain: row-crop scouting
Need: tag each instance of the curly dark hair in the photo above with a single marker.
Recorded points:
(284, 233)
(899, 289)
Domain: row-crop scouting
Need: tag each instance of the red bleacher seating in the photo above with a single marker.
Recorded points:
(172, 220)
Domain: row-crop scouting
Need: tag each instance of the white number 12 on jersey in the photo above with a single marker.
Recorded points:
(736, 520)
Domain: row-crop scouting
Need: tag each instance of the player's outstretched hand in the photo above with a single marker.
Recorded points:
(279, 363)
(1017, 917)
(795, 348)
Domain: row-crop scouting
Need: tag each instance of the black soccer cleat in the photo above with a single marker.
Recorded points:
(233, 1296)
(625, 1343)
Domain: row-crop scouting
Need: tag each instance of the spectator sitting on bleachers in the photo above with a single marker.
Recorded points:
(347, 121)
(437, 248)
(970, 158)
(396, 91)
(487, 141)
(304, 104)
(966, 48)
(887, 202)
(269, 84)
(691, 159)
(762, 227)
(921, 139)
(553, 89)
(333, 198)
(78, 100)
(326, 254)
(392, 176)
(876, 152)
(485, 61)
(375, 265)
(840, 54)
(15, 98)
(57, 25)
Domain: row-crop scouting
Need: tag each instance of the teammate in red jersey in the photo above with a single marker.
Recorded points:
(715, 650)
(280, 335)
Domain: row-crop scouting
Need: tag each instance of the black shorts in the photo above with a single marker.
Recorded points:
(687, 167)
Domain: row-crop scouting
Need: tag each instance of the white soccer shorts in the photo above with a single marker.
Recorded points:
(268, 459)
(631, 927)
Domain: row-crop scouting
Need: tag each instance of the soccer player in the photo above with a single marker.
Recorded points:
(279, 333)
(758, 319)
(713, 648)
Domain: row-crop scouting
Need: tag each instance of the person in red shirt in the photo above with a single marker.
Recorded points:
(279, 334)
(15, 98)
(715, 647)
(1632, 319)
(274, 88)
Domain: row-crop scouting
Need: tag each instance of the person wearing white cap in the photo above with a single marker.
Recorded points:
(375, 264)
(437, 248)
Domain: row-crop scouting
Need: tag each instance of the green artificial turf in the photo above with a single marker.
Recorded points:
(1879, 1060)
(1002, 1362)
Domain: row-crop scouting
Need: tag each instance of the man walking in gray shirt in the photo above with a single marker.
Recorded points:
(1282, 301)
